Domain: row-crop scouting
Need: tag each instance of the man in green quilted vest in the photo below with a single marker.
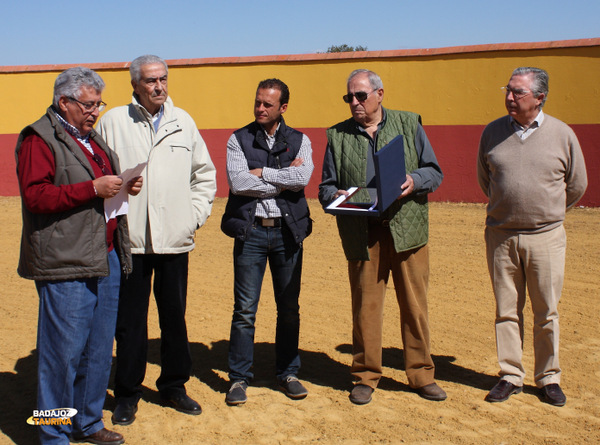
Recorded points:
(396, 242)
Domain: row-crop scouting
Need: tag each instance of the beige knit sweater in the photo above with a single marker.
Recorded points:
(530, 183)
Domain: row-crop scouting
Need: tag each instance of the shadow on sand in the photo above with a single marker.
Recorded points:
(18, 389)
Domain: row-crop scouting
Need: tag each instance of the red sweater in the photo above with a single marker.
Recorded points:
(36, 180)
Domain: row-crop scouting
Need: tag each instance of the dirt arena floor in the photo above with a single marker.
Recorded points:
(461, 314)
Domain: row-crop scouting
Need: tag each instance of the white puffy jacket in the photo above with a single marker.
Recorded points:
(179, 180)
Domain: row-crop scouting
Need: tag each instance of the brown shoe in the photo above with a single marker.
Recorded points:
(502, 391)
(361, 394)
(432, 392)
(102, 437)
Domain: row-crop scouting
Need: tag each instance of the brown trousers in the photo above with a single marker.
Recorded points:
(368, 282)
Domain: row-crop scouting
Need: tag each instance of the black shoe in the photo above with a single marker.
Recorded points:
(183, 403)
(124, 413)
(361, 394)
(292, 387)
(502, 391)
(237, 393)
(553, 395)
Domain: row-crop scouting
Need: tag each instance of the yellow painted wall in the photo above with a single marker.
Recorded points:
(447, 89)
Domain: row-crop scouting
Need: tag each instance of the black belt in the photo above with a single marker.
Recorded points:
(268, 222)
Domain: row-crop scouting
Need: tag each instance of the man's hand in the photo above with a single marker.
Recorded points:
(297, 162)
(107, 186)
(408, 187)
(340, 193)
(134, 186)
(256, 172)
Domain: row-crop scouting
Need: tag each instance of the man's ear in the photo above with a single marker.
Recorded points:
(62, 103)
(283, 108)
(540, 98)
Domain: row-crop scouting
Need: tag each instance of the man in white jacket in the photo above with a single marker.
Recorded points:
(180, 187)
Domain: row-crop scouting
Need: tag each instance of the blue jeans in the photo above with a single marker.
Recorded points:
(75, 338)
(277, 245)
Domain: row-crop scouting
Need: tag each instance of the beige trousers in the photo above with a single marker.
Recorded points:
(535, 263)
(368, 281)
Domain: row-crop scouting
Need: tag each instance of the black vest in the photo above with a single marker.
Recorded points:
(240, 210)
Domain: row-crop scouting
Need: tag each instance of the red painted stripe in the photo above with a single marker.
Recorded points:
(8, 166)
(455, 147)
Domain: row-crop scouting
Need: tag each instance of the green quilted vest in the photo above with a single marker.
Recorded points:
(409, 223)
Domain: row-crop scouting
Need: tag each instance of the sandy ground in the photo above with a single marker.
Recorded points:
(461, 313)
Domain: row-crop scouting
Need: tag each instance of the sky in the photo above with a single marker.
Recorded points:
(40, 32)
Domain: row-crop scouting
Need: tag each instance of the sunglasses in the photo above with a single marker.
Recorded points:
(361, 96)
(101, 163)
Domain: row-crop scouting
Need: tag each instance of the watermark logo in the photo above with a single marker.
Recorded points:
(58, 416)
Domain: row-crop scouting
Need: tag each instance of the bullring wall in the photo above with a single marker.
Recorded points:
(456, 91)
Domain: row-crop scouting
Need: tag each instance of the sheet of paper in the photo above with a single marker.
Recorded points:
(119, 204)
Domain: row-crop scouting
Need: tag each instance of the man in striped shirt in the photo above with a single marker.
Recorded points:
(268, 166)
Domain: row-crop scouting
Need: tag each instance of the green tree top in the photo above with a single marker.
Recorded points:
(345, 48)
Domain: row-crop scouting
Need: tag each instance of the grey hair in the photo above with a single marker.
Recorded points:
(135, 69)
(540, 81)
(69, 83)
(374, 79)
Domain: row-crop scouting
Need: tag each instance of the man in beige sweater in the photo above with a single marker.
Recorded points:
(531, 168)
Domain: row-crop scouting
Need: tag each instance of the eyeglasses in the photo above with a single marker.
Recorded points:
(361, 96)
(101, 163)
(89, 107)
(517, 94)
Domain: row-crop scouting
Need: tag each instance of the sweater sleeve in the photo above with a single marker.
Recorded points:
(483, 174)
(329, 185)
(428, 176)
(576, 175)
(36, 179)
